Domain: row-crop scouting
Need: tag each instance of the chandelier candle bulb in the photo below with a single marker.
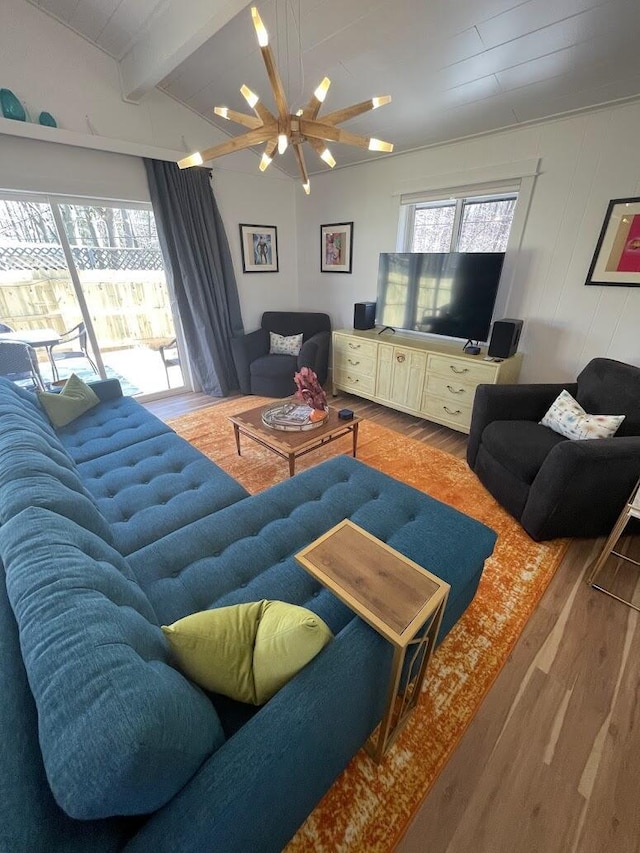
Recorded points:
(327, 156)
(265, 162)
(379, 145)
(283, 143)
(250, 97)
(193, 160)
(321, 92)
(261, 31)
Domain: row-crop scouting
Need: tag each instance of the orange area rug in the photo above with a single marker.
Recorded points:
(369, 806)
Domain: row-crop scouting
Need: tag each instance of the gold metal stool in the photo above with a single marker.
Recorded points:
(631, 510)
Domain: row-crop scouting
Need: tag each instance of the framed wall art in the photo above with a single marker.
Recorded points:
(259, 248)
(616, 260)
(336, 245)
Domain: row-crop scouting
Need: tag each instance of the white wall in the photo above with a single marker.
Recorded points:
(586, 160)
(259, 200)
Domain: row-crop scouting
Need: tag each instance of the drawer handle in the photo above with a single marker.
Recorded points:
(449, 412)
(351, 361)
(400, 358)
(351, 379)
(455, 390)
(354, 346)
(455, 369)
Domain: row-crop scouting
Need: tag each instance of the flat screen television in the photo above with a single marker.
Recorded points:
(439, 293)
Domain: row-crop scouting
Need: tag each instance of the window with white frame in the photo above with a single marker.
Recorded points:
(464, 223)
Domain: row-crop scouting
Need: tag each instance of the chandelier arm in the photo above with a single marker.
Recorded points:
(265, 114)
(319, 130)
(312, 109)
(338, 116)
(238, 143)
(251, 122)
(297, 147)
(276, 83)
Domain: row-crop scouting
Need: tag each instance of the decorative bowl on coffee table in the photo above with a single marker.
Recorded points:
(293, 416)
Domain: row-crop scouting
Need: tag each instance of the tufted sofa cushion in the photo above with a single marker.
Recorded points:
(32, 473)
(112, 425)
(121, 731)
(246, 552)
(35, 469)
(156, 486)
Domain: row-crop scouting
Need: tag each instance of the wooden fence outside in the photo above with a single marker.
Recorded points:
(125, 312)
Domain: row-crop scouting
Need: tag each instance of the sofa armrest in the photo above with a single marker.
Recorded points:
(107, 389)
(256, 790)
(315, 354)
(246, 349)
(582, 486)
(510, 403)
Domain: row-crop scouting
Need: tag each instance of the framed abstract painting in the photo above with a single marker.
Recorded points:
(616, 260)
(336, 245)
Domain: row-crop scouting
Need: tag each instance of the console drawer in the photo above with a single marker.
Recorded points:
(454, 389)
(354, 346)
(452, 413)
(351, 362)
(464, 369)
(357, 382)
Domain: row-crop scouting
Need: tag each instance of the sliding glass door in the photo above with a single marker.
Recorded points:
(95, 272)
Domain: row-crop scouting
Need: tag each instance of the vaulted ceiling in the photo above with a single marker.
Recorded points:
(454, 68)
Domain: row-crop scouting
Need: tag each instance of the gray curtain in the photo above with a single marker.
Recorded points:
(199, 268)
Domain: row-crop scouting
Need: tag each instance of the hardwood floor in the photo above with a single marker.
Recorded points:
(550, 763)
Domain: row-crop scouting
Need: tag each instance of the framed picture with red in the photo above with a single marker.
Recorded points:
(336, 247)
(616, 260)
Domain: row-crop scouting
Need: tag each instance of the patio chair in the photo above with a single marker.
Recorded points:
(19, 364)
(77, 333)
(170, 358)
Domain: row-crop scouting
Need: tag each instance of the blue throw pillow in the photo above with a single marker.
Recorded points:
(121, 731)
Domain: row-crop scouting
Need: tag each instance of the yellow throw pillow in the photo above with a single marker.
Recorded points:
(247, 651)
(74, 400)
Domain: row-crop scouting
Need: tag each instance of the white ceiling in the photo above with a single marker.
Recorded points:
(453, 67)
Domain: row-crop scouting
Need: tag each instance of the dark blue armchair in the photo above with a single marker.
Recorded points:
(272, 375)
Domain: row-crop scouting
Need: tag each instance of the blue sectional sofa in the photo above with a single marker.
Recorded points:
(113, 526)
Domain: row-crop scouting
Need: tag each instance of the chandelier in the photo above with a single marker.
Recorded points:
(286, 129)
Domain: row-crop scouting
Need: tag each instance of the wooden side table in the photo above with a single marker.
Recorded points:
(396, 597)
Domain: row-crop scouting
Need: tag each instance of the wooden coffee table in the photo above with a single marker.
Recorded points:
(399, 599)
(292, 445)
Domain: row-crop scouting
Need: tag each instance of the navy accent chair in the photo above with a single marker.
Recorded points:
(552, 485)
(272, 375)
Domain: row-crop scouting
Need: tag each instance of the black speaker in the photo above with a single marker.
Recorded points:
(364, 315)
(504, 338)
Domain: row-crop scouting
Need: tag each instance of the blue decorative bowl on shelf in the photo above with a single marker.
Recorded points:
(11, 106)
(47, 120)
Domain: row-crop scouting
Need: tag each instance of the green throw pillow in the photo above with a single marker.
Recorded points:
(247, 651)
(74, 400)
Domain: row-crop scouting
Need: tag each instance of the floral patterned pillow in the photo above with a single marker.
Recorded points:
(567, 417)
(281, 345)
